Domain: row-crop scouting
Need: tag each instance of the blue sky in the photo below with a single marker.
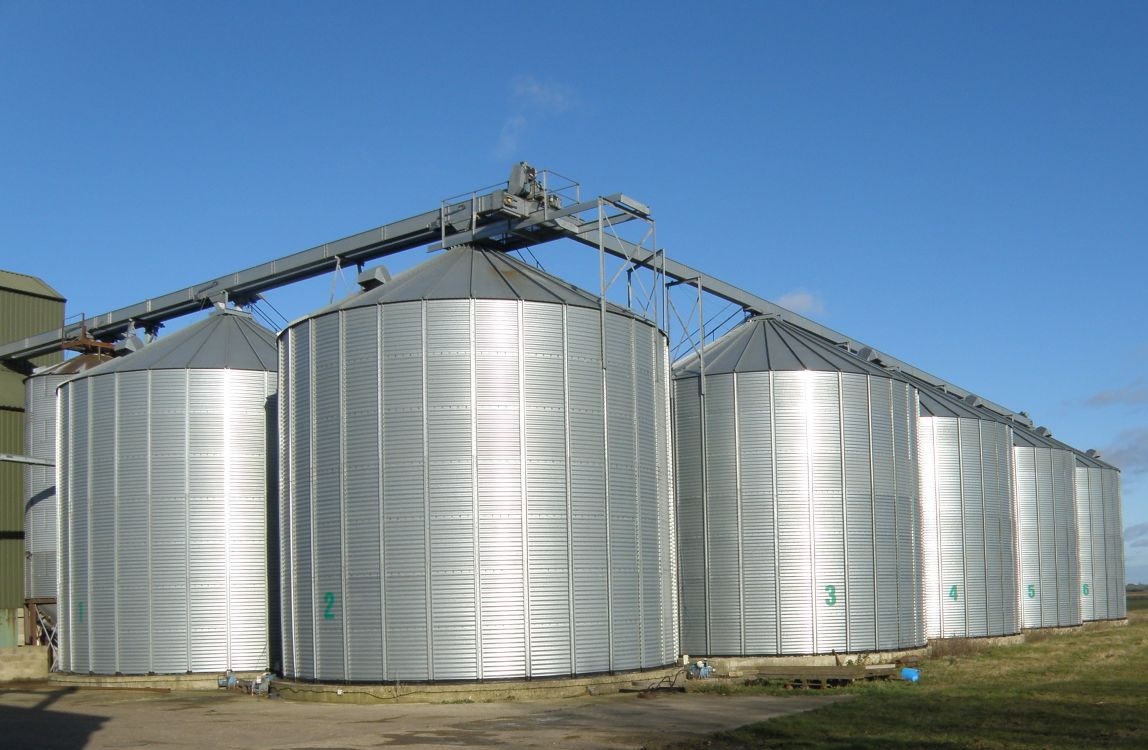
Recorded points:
(961, 185)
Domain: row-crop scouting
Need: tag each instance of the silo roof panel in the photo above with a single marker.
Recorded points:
(766, 344)
(226, 339)
(465, 272)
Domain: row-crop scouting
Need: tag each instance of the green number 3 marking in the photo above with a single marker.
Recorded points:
(329, 598)
(1084, 588)
(1031, 591)
(831, 595)
(953, 593)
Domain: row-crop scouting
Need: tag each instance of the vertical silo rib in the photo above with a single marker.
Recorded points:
(778, 619)
(964, 592)
(228, 508)
(606, 486)
(740, 541)
(380, 416)
(148, 479)
(873, 520)
(844, 505)
(632, 330)
(896, 514)
(572, 624)
(807, 399)
(475, 511)
(523, 490)
(703, 500)
(427, 563)
(342, 408)
(186, 461)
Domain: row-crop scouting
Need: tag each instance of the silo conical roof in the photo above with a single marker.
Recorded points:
(226, 339)
(763, 344)
(466, 272)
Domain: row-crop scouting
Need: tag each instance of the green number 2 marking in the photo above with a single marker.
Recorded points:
(953, 593)
(1031, 591)
(1084, 588)
(831, 595)
(329, 598)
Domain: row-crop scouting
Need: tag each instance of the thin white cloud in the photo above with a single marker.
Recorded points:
(510, 137)
(1130, 451)
(801, 301)
(545, 96)
(1130, 396)
(532, 101)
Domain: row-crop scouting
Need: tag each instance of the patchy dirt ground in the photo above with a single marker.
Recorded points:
(49, 718)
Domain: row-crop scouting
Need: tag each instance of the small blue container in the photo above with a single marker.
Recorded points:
(910, 674)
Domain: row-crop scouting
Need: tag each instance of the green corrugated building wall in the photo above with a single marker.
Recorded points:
(27, 306)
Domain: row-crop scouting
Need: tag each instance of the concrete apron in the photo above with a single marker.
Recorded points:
(462, 692)
(743, 666)
(479, 692)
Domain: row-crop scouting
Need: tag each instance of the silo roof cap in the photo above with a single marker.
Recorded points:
(466, 272)
(75, 365)
(225, 340)
(763, 344)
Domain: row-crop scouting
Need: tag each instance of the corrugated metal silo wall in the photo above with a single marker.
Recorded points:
(163, 521)
(798, 513)
(969, 528)
(40, 542)
(1098, 517)
(468, 494)
(1047, 537)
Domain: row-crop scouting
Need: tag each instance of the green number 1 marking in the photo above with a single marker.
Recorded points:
(1031, 591)
(1084, 588)
(329, 598)
(831, 595)
(953, 593)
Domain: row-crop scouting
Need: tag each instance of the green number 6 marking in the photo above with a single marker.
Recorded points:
(1031, 591)
(831, 595)
(1084, 588)
(953, 593)
(329, 598)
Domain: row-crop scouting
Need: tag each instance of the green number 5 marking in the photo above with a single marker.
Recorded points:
(1084, 588)
(329, 598)
(953, 593)
(830, 595)
(1031, 591)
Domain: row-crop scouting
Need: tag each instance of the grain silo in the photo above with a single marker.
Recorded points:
(41, 538)
(968, 520)
(1099, 519)
(475, 481)
(163, 504)
(1045, 480)
(798, 513)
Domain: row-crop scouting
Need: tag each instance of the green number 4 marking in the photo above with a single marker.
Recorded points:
(1084, 588)
(1031, 591)
(830, 595)
(953, 593)
(329, 598)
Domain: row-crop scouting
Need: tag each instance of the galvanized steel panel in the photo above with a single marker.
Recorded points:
(797, 513)
(510, 545)
(970, 565)
(1049, 583)
(163, 521)
(1098, 515)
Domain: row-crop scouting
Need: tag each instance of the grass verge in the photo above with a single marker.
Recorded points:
(1087, 688)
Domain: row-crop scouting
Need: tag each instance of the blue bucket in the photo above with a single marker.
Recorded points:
(910, 674)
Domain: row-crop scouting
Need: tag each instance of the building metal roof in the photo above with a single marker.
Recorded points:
(225, 339)
(763, 344)
(23, 284)
(466, 272)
